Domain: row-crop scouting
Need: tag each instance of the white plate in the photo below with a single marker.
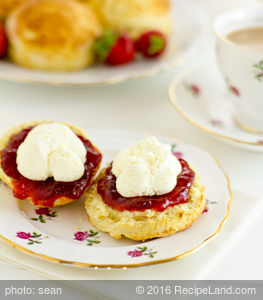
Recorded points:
(57, 243)
(188, 30)
(201, 96)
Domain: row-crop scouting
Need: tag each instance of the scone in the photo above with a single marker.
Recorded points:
(133, 17)
(53, 35)
(49, 163)
(141, 217)
(6, 6)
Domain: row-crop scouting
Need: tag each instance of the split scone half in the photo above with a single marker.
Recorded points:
(148, 224)
(52, 35)
(133, 17)
(142, 224)
(60, 158)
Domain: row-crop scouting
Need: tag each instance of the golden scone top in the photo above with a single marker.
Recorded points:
(134, 16)
(52, 34)
(7, 6)
(55, 23)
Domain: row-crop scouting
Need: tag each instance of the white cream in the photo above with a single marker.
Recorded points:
(146, 169)
(51, 150)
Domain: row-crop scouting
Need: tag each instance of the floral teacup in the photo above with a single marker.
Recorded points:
(242, 68)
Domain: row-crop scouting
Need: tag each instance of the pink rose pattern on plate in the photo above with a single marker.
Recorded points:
(23, 235)
(208, 202)
(205, 210)
(194, 89)
(217, 122)
(91, 237)
(81, 236)
(135, 253)
(32, 238)
(44, 211)
(139, 251)
(177, 154)
(233, 89)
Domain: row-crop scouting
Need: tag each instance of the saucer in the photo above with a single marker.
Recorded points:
(202, 97)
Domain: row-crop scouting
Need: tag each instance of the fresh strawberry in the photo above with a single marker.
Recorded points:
(3, 41)
(122, 52)
(151, 44)
(114, 49)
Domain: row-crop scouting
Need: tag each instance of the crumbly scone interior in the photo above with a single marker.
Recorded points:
(143, 225)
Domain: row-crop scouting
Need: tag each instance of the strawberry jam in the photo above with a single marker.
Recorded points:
(46, 192)
(180, 194)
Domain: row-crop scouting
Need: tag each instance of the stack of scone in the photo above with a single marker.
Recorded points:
(59, 35)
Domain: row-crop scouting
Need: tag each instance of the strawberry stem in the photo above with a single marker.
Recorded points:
(156, 44)
(104, 44)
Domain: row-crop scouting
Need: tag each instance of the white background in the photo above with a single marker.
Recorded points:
(144, 106)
